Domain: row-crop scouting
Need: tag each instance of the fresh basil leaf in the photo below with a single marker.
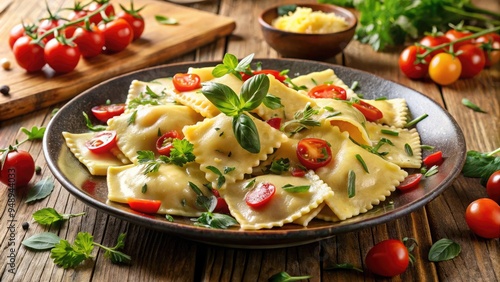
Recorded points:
(246, 133)
(444, 249)
(272, 102)
(220, 70)
(223, 97)
(244, 63)
(253, 91)
(221, 179)
(47, 216)
(42, 189)
(215, 220)
(42, 241)
(283, 277)
(230, 61)
(481, 165)
(165, 20)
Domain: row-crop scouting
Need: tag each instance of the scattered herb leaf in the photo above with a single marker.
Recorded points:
(42, 241)
(444, 249)
(40, 190)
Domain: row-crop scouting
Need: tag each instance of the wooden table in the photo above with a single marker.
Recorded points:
(158, 256)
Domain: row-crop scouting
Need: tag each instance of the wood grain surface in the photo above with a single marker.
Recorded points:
(158, 256)
(31, 91)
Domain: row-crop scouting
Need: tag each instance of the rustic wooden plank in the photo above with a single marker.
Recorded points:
(158, 44)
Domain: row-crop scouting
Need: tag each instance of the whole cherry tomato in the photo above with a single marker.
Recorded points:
(313, 153)
(410, 182)
(388, 258)
(90, 41)
(454, 34)
(433, 41)
(28, 54)
(102, 142)
(144, 205)
(109, 11)
(61, 56)
(328, 91)
(135, 20)
(48, 24)
(20, 30)
(370, 112)
(105, 112)
(483, 218)
(410, 65)
(186, 81)
(444, 69)
(490, 44)
(165, 143)
(260, 195)
(18, 168)
(472, 59)
(493, 186)
(117, 35)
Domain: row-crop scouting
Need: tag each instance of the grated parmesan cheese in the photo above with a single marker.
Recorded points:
(305, 20)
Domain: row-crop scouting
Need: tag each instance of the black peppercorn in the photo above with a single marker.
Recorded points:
(4, 89)
(25, 225)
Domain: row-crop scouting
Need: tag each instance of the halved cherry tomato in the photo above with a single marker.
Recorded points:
(370, 112)
(260, 195)
(186, 81)
(297, 171)
(274, 73)
(274, 122)
(105, 112)
(328, 91)
(410, 182)
(483, 218)
(164, 144)
(388, 258)
(221, 206)
(144, 205)
(102, 142)
(493, 186)
(314, 153)
(435, 158)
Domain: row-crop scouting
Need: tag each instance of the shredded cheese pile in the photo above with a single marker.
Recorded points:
(305, 20)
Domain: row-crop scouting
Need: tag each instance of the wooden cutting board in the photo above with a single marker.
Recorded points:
(159, 43)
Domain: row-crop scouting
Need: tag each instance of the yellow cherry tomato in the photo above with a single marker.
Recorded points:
(444, 68)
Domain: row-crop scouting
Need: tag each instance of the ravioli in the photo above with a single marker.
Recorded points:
(395, 111)
(97, 164)
(143, 131)
(216, 148)
(170, 185)
(284, 207)
(156, 92)
(327, 76)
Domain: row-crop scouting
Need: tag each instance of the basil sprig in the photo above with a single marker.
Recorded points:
(252, 94)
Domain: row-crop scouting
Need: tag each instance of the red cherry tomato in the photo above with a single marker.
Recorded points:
(48, 24)
(17, 169)
(29, 56)
(274, 73)
(260, 195)
(144, 205)
(117, 35)
(370, 112)
(483, 218)
(490, 44)
(388, 258)
(410, 182)
(313, 153)
(298, 171)
(186, 81)
(60, 56)
(136, 21)
(454, 34)
(102, 142)
(433, 159)
(221, 206)
(89, 41)
(274, 122)
(105, 112)
(433, 41)
(109, 11)
(472, 59)
(164, 144)
(328, 91)
(18, 31)
(493, 186)
(409, 65)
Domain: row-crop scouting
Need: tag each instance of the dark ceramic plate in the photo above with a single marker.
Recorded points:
(439, 130)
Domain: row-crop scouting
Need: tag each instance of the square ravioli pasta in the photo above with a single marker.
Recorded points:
(284, 207)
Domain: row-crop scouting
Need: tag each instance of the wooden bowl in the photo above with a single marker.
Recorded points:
(305, 45)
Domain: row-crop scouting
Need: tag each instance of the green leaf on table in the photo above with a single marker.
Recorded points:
(35, 133)
(284, 276)
(165, 20)
(481, 165)
(42, 241)
(68, 256)
(466, 102)
(444, 249)
(47, 216)
(40, 190)
(114, 254)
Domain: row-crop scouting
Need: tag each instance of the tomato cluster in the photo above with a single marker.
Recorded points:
(88, 31)
(447, 57)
